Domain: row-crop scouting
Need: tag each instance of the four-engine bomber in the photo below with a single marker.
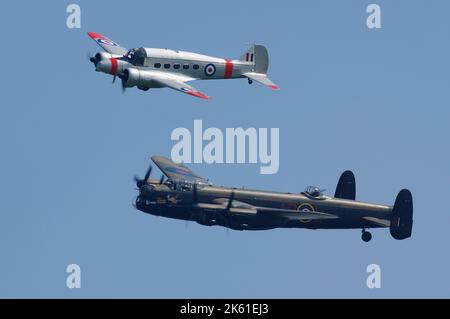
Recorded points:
(187, 196)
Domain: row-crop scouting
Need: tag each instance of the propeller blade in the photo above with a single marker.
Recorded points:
(230, 201)
(124, 77)
(147, 174)
(93, 58)
(114, 78)
(90, 57)
(194, 194)
(161, 180)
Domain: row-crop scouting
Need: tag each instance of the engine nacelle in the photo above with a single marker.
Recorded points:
(134, 77)
(103, 56)
(107, 63)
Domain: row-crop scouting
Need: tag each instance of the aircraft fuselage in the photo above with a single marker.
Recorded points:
(164, 201)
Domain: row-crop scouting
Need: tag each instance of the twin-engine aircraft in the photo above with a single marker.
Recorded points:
(148, 68)
(187, 196)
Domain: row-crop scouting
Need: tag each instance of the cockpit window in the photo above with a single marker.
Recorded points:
(179, 185)
(137, 56)
(313, 191)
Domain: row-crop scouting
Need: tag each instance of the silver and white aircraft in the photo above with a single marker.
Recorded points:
(148, 68)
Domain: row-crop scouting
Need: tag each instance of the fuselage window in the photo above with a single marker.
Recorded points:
(176, 66)
(167, 66)
(196, 67)
(186, 66)
(157, 65)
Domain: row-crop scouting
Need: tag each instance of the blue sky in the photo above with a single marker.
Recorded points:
(374, 101)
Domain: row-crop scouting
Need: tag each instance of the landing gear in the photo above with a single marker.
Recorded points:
(250, 81)
(143, 88)
(366, 236)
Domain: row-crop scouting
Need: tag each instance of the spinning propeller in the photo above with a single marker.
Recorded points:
(141, 182)
(124, 78)
(94, 58)
(225, 210)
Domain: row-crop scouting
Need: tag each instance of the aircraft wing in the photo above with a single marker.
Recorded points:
(261, 78)
(292, 214)
(176, 171)
(177, 83)
(107, 44)
(238, 207)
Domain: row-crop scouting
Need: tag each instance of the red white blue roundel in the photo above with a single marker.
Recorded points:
(106, 41)
(210, 69)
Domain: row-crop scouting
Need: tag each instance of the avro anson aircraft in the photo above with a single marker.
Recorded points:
(187, 196)
(148, 68)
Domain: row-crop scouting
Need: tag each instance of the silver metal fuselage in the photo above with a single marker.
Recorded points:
(182, 64)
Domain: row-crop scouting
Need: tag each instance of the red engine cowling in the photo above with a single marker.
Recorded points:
(107, 63)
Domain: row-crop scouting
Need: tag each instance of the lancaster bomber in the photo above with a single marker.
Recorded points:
(147, 68)
(187, 196)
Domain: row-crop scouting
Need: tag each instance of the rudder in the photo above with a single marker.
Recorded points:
(402, 216)
(258, 55)
(346, 187)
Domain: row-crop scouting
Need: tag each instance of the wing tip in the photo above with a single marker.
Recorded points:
(274, 87)
(94, 35)
(200, 95)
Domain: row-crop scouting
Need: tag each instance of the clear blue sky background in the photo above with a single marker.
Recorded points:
(374, 101)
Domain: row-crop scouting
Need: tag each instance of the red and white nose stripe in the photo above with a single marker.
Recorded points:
(108, 65)
(114, 66)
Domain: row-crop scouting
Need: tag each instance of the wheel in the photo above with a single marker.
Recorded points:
(366, 236)
(250, 81)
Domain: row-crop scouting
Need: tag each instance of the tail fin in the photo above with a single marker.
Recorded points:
(259, 56)
(346, 187)
(402, 215)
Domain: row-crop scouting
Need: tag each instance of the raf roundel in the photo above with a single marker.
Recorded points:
(210, 69)
(107, 42)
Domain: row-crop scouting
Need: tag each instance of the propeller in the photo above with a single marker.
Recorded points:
(194, 202)
(230, 201)
(194, 194)
(94, 58)
(227, 209)
(142, 182)
(124, 77)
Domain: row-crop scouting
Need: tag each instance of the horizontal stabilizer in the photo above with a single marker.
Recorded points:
(261, 78)
(378, 221)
